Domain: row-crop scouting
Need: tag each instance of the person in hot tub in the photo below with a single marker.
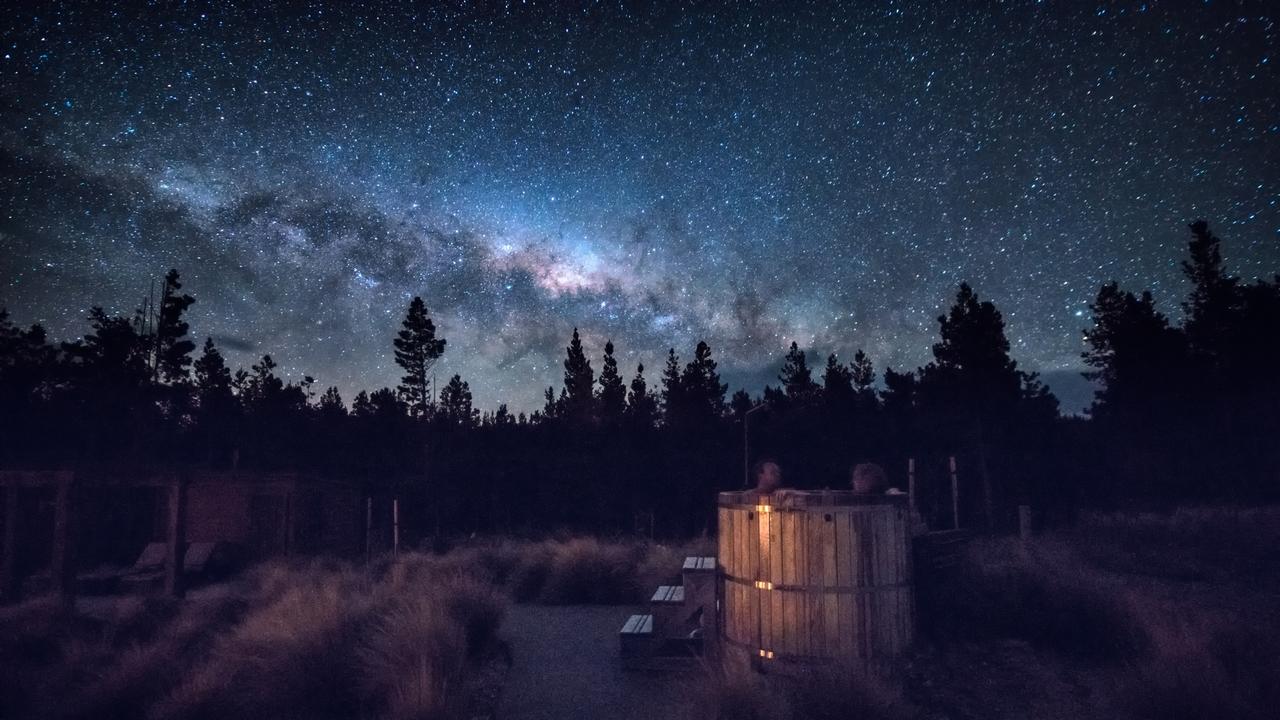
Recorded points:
(868, 479)
(769, 489)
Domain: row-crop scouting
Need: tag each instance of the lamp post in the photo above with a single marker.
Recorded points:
(746, 445)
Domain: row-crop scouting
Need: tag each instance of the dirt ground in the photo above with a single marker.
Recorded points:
(565, 667)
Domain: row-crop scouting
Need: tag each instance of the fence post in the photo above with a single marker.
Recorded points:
(368, 529)
(955, 493)
(9, 565)
(61, 562)
(176, 538)
(395, 527)
(911, 486)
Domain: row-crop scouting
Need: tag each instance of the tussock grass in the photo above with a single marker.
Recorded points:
(733, 691)
(570, 571)
(1201, 669)
(1173, 615)
(1043, 594)
(315, 639)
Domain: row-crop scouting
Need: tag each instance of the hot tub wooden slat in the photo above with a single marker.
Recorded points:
(828, 578)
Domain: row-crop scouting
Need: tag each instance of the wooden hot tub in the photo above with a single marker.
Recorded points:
(817, 578)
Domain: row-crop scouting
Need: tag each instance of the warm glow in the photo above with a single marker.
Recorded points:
(764, 584)
(763, 508)
(766, 654)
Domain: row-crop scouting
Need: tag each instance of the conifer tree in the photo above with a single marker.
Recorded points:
(172, 360)
(550, 407)
(740, 404)
(837, 381)
(700, 383)
(502, 417)
(613, 393)
(212, 378)
(416, 350)
(972, 369)
(862, 372)
(361, 405)
(1213, 293)
(579, 381)
(1136, 355)
(455, 403)
(331, 405)
(673, 396)
(796, 377)
(641, 405)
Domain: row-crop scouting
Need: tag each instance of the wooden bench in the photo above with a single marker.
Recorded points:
(636, 638)
(667, 606)
(699, 578)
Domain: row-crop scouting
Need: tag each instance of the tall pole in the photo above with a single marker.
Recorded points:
(61, 570)
(176, 538)
(746, 445)
(9, 564)
(911, 485)
(395, 527)
(368, 529)
(955, 494)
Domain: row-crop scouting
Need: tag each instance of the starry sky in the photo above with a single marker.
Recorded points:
(652, 174)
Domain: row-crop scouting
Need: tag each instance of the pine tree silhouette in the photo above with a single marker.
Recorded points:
(796, 377)
(739, 404)
(579, 381)
(172, 361)
(700, 384)
(416, 350)
(455, 403)
(613, 393)
(642, 407)
(673, 396)
(862, 372)
(837, 383)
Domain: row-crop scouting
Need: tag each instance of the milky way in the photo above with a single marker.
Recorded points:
(651, 175)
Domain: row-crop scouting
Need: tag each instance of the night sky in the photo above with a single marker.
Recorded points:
(654, 176)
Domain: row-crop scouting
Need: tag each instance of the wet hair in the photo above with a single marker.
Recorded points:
(869, 478)
(758, 476)
(758, 467)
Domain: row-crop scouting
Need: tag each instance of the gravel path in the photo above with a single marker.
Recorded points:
(565, 667)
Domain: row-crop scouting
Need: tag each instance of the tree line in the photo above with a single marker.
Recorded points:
(1185, 411)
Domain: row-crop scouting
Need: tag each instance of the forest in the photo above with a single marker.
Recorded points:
(1187, 409)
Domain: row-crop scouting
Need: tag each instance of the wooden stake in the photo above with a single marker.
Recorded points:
(368, 530)
(911, 485)
(177, 539)
(9, 566)
(955, 494)
(395, 527)
(60, 563)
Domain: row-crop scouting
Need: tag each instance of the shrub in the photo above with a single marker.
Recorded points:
(1045, 597)
(733, 691)
(588, 571)
(1206, 669)
(290, 639)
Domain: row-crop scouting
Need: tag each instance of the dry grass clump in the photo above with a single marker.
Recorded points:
(1205, 668)
(574, 571)
(1196, 544)
(1173, 613)
(586, 571)
(733, 691)
(1044, 595)
(309, 639)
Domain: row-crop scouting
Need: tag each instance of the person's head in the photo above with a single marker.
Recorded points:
(768, 475)
(868, 478)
